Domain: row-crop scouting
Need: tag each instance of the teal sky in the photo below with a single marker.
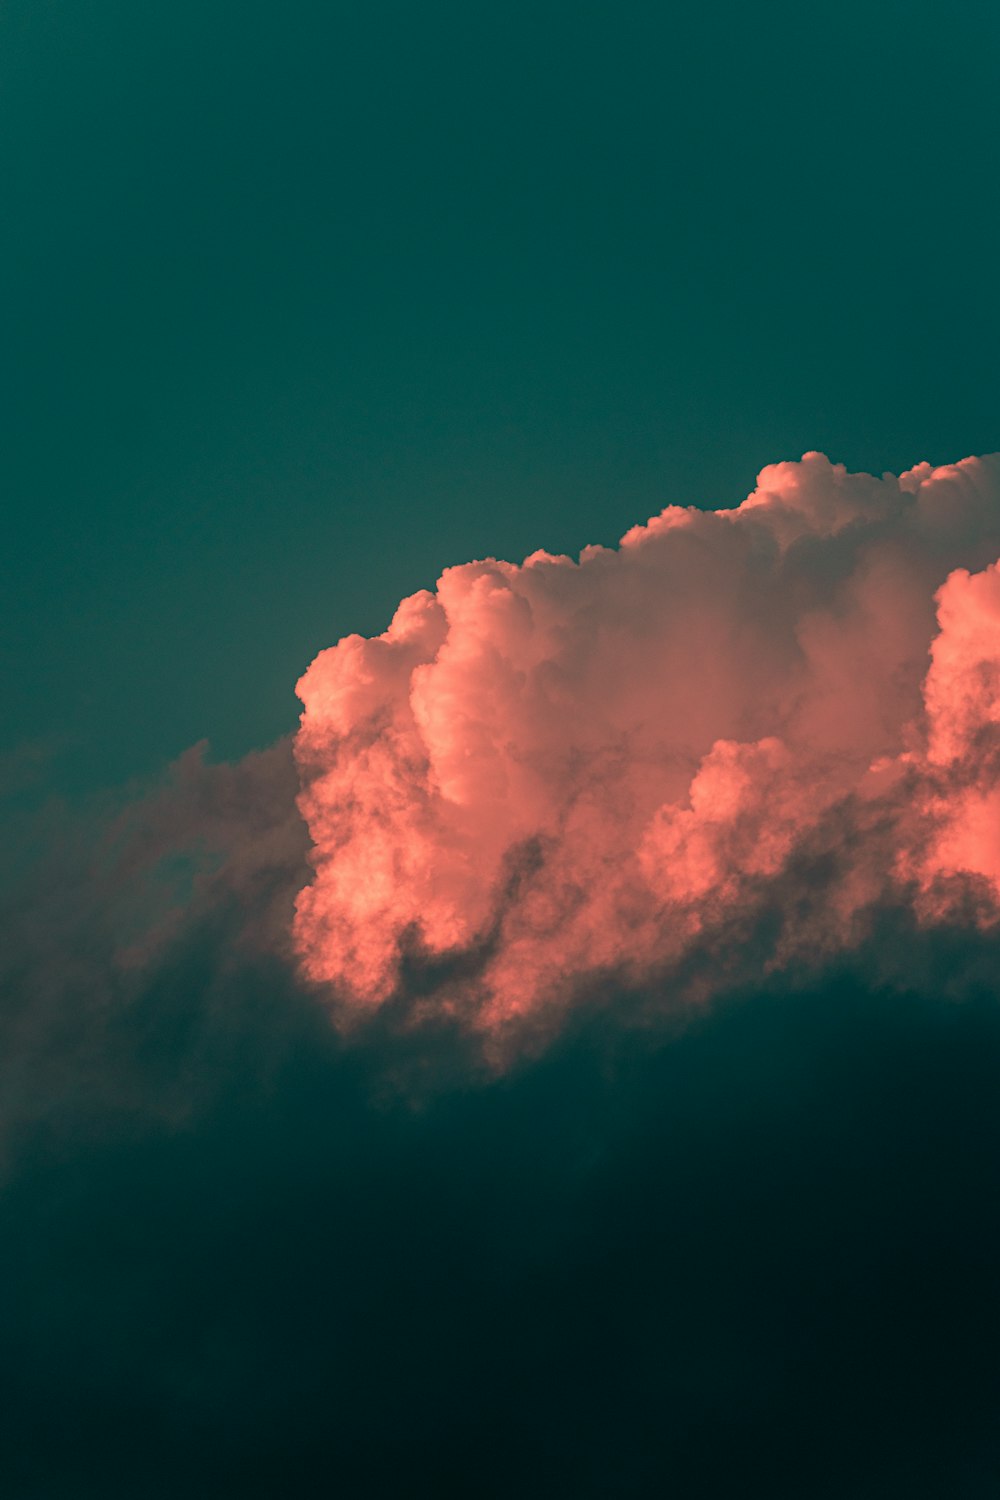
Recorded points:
(303, 303)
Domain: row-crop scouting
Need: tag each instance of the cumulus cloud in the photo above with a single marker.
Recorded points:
(546, 773)
(741, 745)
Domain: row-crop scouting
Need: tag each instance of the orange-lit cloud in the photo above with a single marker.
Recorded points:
(567, 769)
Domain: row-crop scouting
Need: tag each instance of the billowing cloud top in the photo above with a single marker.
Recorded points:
(546, 773)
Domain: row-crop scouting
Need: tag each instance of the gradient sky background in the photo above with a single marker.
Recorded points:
(301, 304)
(304, 302)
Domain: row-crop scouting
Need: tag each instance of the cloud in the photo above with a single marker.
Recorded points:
(766, 1248)
(560, 773)
(107, 908)
(742, 748)
(245, 1252)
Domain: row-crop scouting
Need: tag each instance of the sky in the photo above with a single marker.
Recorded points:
(304, 304)
(564, 1063)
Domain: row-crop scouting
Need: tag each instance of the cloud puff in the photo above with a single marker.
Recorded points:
(546, 773)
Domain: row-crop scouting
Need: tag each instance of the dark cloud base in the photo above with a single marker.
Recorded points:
(754, 1256)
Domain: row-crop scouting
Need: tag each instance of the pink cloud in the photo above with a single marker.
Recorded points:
(961, 795)
(574, 767)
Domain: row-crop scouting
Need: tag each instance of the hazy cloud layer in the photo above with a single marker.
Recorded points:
(544, 774)
(104, 909)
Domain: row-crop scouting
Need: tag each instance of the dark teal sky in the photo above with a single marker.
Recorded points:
(302, 303)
